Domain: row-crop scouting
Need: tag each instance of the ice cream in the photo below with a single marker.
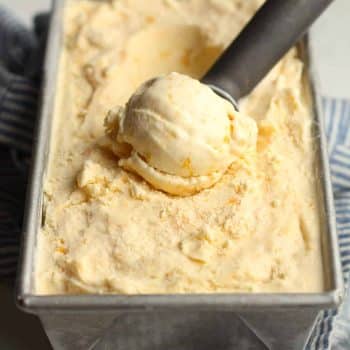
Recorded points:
(107, 230)
(182, 137)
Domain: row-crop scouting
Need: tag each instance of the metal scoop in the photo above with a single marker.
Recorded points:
(274, 29)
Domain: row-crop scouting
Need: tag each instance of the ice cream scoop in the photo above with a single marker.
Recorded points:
(274, 29)
(179, 135)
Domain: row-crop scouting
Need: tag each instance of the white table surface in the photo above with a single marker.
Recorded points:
(331, 42)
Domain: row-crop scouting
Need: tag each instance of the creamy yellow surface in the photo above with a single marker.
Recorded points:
(106, 230)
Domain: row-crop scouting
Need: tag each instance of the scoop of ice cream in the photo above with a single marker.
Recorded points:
(178, 134)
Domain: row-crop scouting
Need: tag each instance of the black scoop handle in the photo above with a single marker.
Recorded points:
(274, 29)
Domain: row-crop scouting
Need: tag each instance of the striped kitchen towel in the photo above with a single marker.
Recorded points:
(19, 82)
(332, 329)
(20, 62)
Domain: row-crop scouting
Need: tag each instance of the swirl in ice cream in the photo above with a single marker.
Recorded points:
(178, 135)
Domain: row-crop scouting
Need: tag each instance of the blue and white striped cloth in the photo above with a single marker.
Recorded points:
(18, 104)
(20, 62)
(332, 330)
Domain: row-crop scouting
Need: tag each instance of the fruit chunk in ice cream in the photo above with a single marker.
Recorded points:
(178, 135)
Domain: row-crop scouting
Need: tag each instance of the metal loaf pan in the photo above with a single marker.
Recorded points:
(281, 321)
